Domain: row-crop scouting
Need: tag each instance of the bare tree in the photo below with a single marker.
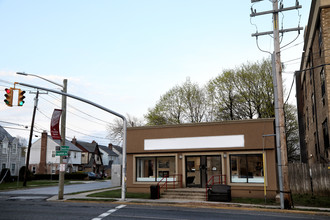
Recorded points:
(115, 129)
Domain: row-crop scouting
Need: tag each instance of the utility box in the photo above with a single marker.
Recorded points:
(154, 192)
(220, 193)
(116, 175)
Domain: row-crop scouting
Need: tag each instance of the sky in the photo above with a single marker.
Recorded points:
(125, 54)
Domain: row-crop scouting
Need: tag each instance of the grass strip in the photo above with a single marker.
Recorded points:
(117, 194)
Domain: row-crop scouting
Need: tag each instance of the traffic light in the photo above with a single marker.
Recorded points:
(9, 97)
(21, 97)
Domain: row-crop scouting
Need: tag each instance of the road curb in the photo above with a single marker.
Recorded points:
(82, 197)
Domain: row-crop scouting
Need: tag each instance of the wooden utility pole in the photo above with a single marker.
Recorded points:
(283, 171)
(281, 119)
(30, 139)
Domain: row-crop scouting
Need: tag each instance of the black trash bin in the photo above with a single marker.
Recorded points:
(221, 193)
(154, 191)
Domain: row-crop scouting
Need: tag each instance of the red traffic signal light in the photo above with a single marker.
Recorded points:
(9, 97)
(21, 97)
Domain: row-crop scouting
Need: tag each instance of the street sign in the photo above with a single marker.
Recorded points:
(65, 148)
(61, 153)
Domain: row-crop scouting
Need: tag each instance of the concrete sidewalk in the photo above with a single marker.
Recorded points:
(201, 204)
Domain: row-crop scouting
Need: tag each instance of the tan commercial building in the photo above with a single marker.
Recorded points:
(242, 152)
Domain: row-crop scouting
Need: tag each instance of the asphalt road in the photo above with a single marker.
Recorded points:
(38, 208)
(32, 204)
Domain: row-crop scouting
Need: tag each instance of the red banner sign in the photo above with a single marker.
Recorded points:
(55, 124)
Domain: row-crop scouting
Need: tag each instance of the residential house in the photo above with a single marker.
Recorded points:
(119, 151)
(313, 86)
(91, 159)
(109, 157)
(12, 153)
(43, 159)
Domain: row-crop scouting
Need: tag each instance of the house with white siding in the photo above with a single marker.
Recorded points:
(43, 159)
(12, 153)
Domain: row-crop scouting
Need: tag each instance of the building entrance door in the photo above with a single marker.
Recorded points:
(200, 168)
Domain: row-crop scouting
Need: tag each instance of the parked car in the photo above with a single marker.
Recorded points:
(91, 176)
(98, 176)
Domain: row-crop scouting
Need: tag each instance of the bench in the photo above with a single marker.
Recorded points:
(219, 192)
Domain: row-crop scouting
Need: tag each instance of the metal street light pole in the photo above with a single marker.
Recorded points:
(63, 126)
(63, 123)
(123, 186)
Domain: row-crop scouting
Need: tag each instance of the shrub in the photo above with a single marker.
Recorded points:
(21, 174)
(67, 176)
(76, 176)
(45, 176)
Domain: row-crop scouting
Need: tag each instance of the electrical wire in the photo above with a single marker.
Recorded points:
(260, 48)
(25, 126)
(88, 119)
(315, 67)
(71, 128)
(292, 46)
(290, 90)
(291, 41)
(21, 129)
(85, 134)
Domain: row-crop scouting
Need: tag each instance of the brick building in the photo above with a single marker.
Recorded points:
(313, 86)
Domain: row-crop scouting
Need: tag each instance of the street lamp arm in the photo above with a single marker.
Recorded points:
(123, 189)
(28, 74)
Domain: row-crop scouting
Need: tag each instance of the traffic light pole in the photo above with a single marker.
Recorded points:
(30, 139)
(123, 186)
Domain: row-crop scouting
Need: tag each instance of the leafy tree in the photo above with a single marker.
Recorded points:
(225, 97)
(181, 104)
(242, 93)
(292, 133)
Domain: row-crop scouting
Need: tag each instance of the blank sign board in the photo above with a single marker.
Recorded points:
(225, 141)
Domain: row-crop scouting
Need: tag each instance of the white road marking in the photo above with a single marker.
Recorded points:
(109, 212)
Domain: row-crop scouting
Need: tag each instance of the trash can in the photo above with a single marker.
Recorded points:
(154, 191)
(221, 193)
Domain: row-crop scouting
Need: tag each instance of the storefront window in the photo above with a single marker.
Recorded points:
(246, 168)
(154, 168)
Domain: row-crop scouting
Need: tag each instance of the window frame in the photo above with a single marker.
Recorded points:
(13, 168)
(263, 173)
(156, 177)
(5, 147)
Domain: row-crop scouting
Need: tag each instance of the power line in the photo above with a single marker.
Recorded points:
(315, 67)
(86, 134)
(290, 91)
(297, 44)
(71, 128)
(89, 119)
(21, 129)
(7, 122)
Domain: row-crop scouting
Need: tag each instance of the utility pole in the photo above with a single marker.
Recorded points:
(30, 139)
(63, 124)
(283, 171)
